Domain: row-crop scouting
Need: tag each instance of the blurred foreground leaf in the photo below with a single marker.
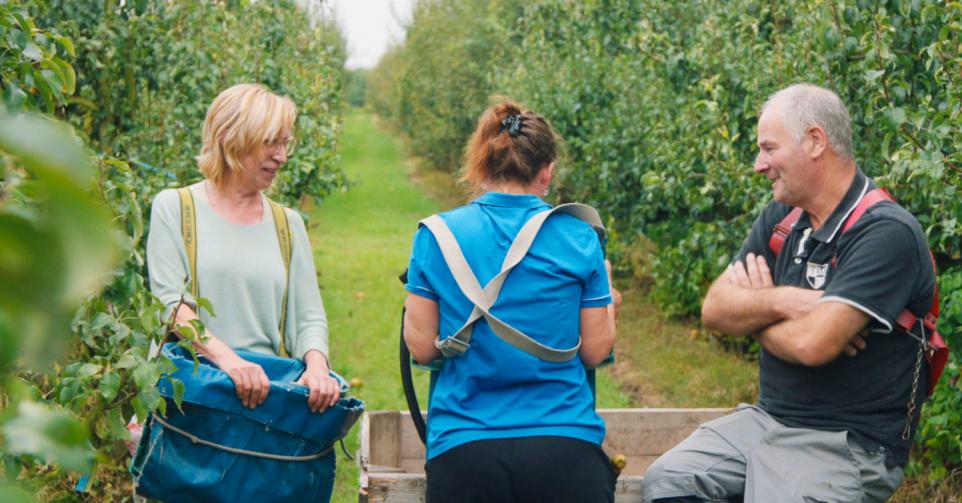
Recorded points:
(10, 494)
(71, 228)
(52, 435)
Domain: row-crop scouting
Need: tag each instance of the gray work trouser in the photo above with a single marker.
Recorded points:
(749, 453)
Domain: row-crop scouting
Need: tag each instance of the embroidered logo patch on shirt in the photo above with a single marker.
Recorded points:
(815, 275)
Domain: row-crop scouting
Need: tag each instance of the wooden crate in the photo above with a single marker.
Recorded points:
(392, 457)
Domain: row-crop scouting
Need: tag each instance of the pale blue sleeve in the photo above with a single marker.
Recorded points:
(306, 325)
(167, 265)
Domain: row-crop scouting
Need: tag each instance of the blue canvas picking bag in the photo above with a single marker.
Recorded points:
(217, 450)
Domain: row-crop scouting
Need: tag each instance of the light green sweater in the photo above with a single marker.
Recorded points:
(242, 273)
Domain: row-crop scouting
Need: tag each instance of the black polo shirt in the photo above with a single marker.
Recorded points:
(881, 266)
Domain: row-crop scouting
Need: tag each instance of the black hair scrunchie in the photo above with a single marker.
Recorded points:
(512, 123)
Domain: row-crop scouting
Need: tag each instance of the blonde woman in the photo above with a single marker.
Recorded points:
(247, 138)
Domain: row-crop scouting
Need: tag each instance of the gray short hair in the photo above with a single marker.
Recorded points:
(807, 105)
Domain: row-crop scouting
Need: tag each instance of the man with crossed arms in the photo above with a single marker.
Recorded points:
(834, 420)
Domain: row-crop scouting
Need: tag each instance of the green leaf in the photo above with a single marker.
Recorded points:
(196, 329)
(51, 435)
(121, 333)
(873, 75)
(160, 405)
(101, 321)
(32, 51)
(67, 44)
(146, 375)
(139, 409)
(117, 424)
(206, 305)
(89, 370)
(110, 385)
(127, 361)
(69, 76)
(179, 389)
(136, 217)
(898, 116)
(148, 322)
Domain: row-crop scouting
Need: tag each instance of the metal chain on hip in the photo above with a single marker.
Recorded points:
(910, 408)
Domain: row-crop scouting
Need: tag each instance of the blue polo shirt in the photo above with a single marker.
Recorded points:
(495, 390)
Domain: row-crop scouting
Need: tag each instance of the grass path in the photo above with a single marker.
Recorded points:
(361, 240)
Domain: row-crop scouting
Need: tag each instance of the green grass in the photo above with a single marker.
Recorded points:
(667, 363)
(361, 240)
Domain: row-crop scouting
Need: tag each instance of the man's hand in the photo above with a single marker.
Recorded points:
(858, 343)
(325, 391)
(249, 378)
(754, 273)
(792, 302)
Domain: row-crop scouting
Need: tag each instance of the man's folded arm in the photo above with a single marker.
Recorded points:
(817, 338)
(737, 310)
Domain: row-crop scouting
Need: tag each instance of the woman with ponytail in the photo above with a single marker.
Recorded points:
(506, 423)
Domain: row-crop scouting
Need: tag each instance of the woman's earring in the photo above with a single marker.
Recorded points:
(545, 193)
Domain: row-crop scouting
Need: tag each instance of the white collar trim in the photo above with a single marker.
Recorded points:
(844, 218)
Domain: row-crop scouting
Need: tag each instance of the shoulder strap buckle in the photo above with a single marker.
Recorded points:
(452, 346)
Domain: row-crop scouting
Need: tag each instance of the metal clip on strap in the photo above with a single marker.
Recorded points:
(451, 347)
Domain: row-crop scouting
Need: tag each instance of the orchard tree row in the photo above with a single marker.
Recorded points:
(658, 100)
(103, 103)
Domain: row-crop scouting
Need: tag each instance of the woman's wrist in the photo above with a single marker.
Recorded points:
(316, 361)
(216, 351)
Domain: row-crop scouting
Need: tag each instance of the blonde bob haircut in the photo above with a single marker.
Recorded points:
(241, 118)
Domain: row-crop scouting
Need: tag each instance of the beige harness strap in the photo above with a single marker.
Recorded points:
(188, 228)
(284, 240)
(484, 299)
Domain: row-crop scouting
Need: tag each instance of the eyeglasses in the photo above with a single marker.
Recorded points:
(288, 144)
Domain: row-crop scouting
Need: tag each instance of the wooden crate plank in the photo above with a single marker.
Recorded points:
(410, 446)
(388, 439)
(643, 432)
(395, 488)
(628, 489)
(412, 465)
(408, 488)
(637, 465)
(379, 437)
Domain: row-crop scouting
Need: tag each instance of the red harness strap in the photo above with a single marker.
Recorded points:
(936, 351)
(783, 229)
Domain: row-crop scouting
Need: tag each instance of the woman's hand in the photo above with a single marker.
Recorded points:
(249, 379)
(325, 391)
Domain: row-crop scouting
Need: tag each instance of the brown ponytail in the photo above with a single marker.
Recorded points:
(508, 145)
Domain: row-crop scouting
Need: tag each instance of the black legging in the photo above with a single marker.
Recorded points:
(528, 469)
